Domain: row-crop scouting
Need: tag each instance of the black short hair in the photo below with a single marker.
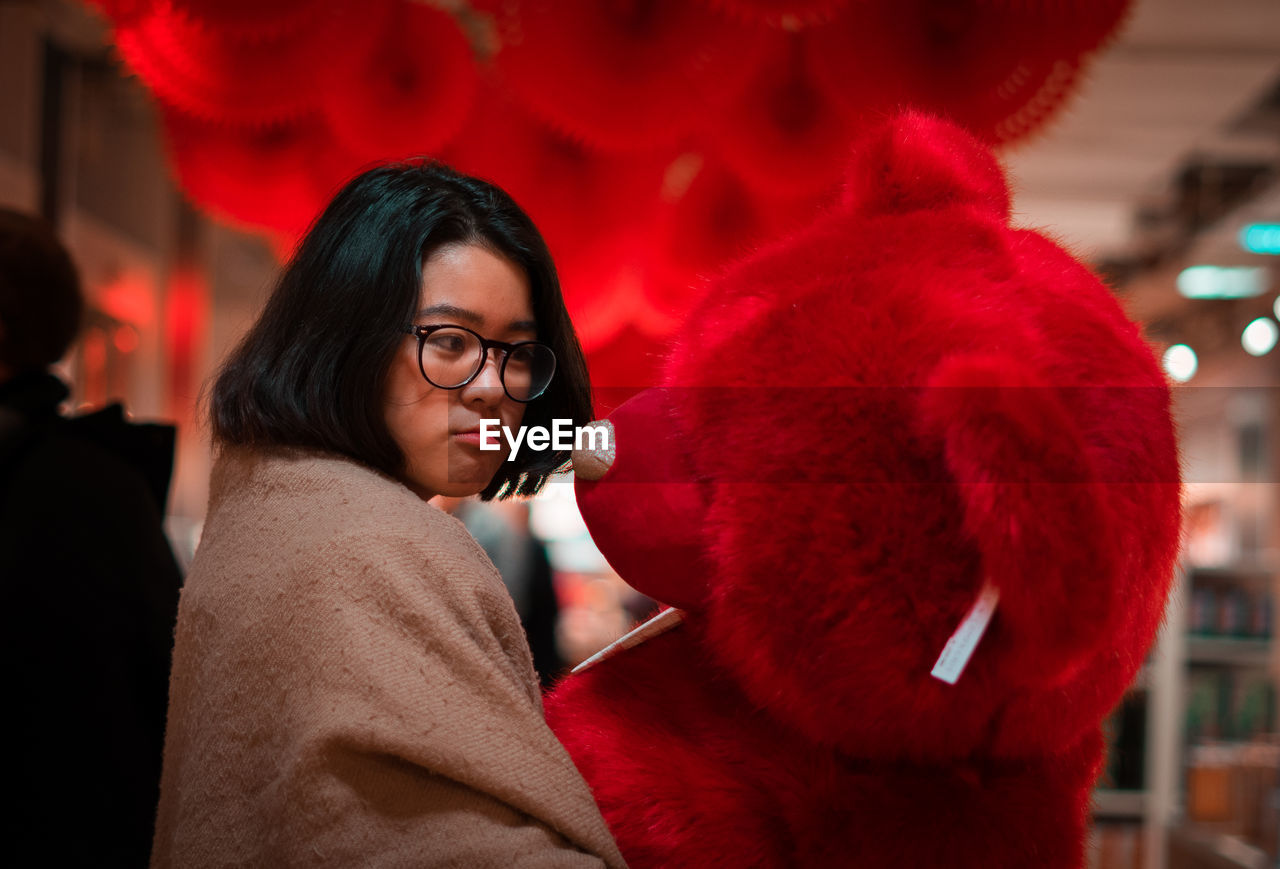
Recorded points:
(311, 370)
(40, 299)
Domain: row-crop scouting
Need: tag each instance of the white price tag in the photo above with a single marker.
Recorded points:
(959, 649)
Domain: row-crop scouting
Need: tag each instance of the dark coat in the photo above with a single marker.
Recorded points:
(90, 599)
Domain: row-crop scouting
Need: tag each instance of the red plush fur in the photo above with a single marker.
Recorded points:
(901, 402)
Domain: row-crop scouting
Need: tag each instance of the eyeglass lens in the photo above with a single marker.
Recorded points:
(451, 357)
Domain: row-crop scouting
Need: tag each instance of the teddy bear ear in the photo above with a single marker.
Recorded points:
(917, 161)
(1033, 503)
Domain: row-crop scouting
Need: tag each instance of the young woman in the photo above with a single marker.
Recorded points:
(351, 686)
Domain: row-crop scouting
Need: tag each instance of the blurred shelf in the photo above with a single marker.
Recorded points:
(1189, 847)
(1257, 570)
(1256, 573)
(1230, 651)
(1114, 805)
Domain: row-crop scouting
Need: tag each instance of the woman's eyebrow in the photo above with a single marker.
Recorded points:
(475, 318)
(452, 311)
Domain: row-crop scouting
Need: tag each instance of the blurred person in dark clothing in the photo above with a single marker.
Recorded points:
(502, 530)
(90, 584)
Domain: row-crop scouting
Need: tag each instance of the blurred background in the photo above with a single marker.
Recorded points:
(181, 147)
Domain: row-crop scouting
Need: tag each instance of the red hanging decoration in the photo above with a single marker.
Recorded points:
(594, 209)
(258, 19)
(630, 362)
(573, 193)
(1046, 82)
(265, 177)
(786, 13)
(411, 93)
(1077, 27)
(652, 141)
(866, 59)
(608, 281)
(717, 220)
(211, 75)
(785, 135)
(620, 74)
(999, 67)
(121, 12)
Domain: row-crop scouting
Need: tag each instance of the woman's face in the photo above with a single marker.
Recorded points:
(438, 429)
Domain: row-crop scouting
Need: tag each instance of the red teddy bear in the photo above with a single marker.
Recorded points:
(913, 483)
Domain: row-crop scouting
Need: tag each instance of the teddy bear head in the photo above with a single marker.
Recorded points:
(869, 426)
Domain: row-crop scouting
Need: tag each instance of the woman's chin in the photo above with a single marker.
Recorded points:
(467, 472)
(469, 469)
(428, 489)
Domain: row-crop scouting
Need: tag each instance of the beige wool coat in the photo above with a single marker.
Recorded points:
(351, 687)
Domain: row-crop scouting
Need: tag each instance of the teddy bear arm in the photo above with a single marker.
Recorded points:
(672, 752)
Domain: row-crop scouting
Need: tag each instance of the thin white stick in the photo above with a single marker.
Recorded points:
(659, 624)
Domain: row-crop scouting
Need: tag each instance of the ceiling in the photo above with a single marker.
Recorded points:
(1180, 86)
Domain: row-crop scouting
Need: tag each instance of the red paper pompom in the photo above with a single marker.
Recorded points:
(265, 178)
(122, 12)
(211, 75)
(594, 209)
(717, 220)
(621, 74)
(1022, 104)
(607, 283)
(572, 192)
(254, 19)
(411, 93)
(785, 135)
(329, 163)
(998, 67)
(630, 361)
(787, 13)
(1028, 99)
(1074, 27)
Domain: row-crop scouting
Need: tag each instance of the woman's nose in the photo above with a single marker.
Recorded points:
(488, 382)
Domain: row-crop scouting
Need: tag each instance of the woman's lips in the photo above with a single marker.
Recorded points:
(471, 436)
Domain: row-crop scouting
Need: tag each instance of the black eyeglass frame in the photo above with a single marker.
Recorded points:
(423, 332)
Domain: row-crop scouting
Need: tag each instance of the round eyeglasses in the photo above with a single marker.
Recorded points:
(450, 357)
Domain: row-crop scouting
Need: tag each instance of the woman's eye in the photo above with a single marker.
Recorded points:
(520, 358)
(447, 343)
